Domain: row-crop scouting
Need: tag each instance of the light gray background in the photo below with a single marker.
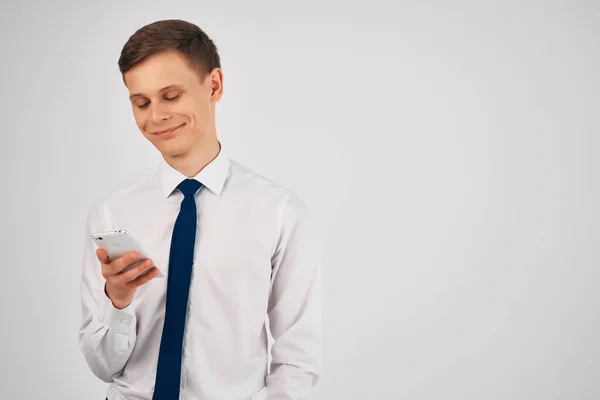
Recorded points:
(448, 150)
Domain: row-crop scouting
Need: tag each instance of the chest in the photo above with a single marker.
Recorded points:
(233, 246)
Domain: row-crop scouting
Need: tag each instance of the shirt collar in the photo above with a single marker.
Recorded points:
(213, 175)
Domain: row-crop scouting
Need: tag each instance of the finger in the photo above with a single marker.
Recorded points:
(102, 256)
(142, 279)
(137, 271)
(125, 260)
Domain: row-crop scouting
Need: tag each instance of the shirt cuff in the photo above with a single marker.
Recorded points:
(119, 321)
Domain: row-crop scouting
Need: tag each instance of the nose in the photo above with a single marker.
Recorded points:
(158, 113)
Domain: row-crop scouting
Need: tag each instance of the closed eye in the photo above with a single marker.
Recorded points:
(166, 98)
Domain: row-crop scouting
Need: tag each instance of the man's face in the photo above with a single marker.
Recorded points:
(166, 93)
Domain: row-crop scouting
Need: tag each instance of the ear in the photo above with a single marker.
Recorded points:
(215, 80)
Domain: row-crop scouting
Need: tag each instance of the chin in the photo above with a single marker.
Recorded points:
(173, 150)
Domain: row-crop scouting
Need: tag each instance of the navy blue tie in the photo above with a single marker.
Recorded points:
(181, 258)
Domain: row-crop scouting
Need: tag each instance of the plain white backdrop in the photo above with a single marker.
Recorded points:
(448, 151)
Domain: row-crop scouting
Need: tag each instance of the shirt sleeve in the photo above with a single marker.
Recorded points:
(107, 335)
(295, 307)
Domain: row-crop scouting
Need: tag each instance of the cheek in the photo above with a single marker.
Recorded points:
(196, 111)
(140, 119)
(200, 116)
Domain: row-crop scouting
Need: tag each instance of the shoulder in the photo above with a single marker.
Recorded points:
(127, 194)
(244, 180)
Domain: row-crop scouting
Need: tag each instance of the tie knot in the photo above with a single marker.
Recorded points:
(189, 187)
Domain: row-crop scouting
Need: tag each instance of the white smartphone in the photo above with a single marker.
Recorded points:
(119, 243)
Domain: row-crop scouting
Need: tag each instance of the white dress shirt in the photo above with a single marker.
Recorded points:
(254, 256)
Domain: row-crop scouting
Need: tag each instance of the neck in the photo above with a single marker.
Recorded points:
(192, 162)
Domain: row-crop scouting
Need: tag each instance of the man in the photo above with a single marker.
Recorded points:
(235, 247)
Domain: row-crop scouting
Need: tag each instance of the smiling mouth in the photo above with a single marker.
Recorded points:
(169, 131)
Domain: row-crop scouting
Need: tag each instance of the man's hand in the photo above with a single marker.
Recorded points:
(121, 286)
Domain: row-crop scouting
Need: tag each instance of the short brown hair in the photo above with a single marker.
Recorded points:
(172, 34)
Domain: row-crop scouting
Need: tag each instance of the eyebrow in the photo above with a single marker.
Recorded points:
(160, 91)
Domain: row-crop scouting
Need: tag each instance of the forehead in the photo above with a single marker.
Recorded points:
(160, 70)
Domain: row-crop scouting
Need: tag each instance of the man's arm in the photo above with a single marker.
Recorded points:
(106, 335)
(295, 307)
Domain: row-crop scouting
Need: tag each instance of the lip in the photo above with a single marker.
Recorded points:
(168, 132)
